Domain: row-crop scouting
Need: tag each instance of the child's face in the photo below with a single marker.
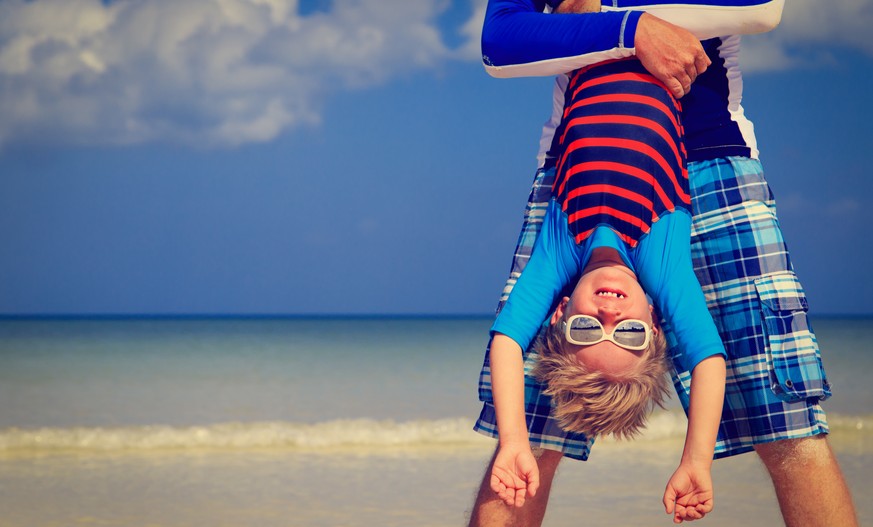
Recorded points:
(610, 293)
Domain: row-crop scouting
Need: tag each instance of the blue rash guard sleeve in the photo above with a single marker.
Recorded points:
(517, 33)
(519, 39)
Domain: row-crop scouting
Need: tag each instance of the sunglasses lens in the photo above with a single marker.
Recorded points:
(585, 330)
(630, 333)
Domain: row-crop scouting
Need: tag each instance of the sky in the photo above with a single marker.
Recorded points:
(285, 157)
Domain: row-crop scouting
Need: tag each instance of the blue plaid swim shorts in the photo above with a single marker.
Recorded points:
(775, 379)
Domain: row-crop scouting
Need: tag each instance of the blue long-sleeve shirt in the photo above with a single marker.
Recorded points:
(520, 39)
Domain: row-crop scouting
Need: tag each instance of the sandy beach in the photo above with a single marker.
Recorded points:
(384, 486)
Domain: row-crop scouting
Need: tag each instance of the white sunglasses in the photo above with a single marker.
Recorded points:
(585, 330)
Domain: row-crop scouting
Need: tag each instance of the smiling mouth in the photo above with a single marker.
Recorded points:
(609, 293)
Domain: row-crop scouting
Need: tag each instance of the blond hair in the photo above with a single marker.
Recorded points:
(593, 402)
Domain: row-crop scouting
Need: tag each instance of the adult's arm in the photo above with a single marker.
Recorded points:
(707, 19)
(520, 40)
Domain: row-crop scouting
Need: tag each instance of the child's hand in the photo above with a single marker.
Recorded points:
(689, 494)
(515, 474)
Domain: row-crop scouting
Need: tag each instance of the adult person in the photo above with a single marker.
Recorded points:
(775, 379)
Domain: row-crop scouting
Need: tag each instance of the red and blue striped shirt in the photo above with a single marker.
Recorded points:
(619, 153)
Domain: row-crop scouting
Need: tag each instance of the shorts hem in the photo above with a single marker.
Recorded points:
(547, 439)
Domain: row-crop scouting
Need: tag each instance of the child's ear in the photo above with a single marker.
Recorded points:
(655, 328)
(559, 311)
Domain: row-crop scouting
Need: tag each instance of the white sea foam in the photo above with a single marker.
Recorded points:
(338, 434)
(331, 434)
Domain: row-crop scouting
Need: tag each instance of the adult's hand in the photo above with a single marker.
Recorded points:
(578, 6)
(672, 54)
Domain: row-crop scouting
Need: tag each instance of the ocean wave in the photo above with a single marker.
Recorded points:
(338, 434)
(326, 435)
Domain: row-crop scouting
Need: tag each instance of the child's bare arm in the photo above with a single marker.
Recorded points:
(579, 6)
(689, 493)
(514, 475)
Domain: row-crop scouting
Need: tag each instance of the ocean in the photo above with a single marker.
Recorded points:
(309, 422)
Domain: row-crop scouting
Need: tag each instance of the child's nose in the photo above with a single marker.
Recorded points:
(608, 313)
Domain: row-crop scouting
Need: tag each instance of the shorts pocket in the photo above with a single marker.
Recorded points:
(796, 371)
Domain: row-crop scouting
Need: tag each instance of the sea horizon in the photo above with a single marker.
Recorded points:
(304, 316)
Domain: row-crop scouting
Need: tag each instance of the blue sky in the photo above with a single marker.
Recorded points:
(281, 157)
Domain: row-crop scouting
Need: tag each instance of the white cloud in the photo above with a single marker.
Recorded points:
(844, 22)
(227, 72)
(213, 72)
(812, 34)
(472, 32)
